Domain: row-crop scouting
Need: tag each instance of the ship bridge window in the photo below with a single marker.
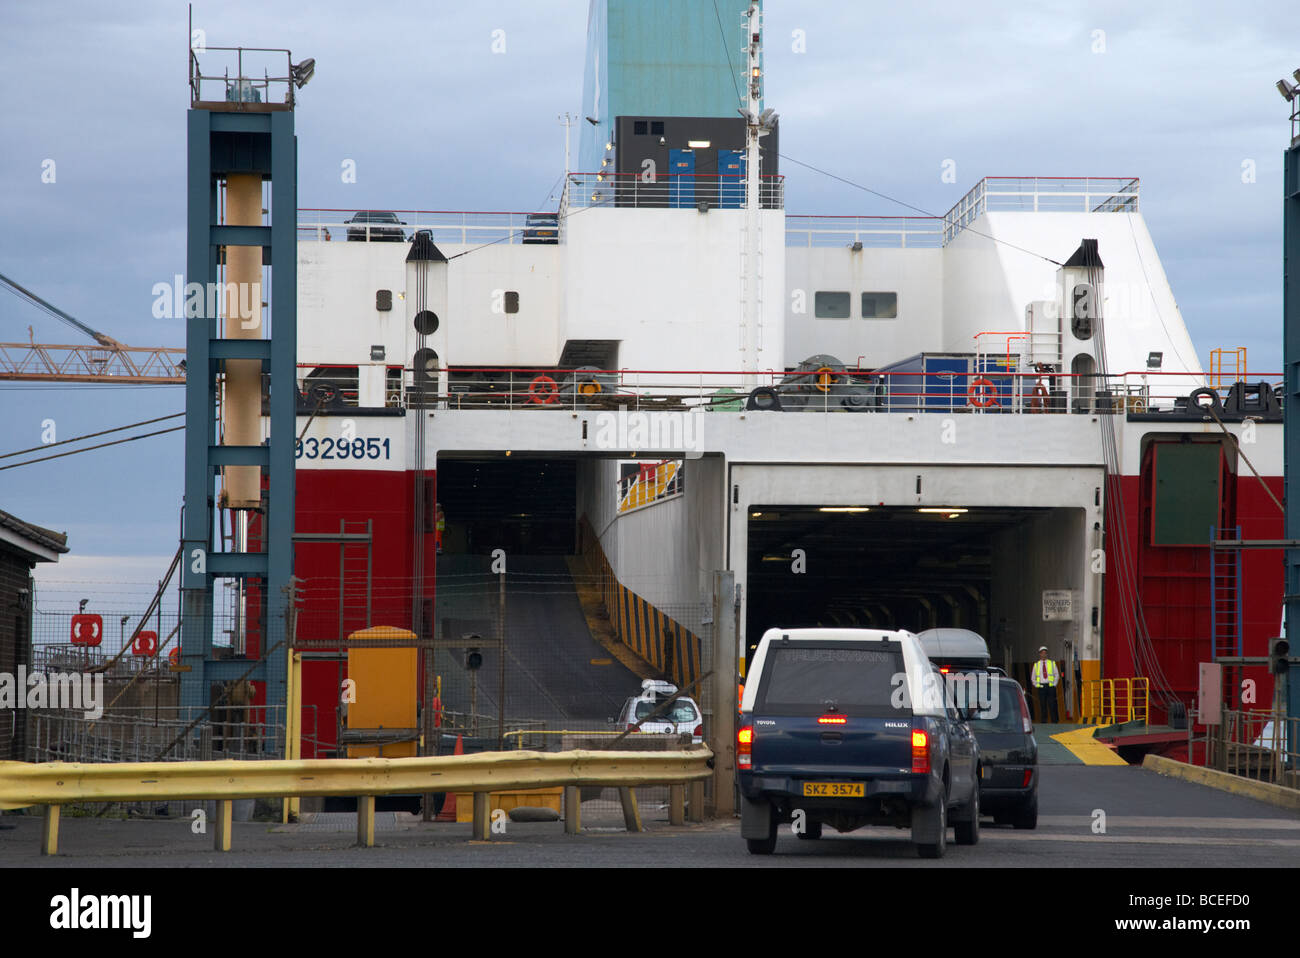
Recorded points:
(831, 305)
(639, 127)
(656, 127)
(879, 305)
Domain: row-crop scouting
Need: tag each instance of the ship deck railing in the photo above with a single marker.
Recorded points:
(470, 228)
(993, 194)
(983, 390)
(699, 192)
(1041, 194)
(703, 192)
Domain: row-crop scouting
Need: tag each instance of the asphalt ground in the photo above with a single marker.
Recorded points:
(1090, 817)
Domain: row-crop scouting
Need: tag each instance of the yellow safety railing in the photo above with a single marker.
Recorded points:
(1110, 701)
(54, 784)
(1227, 366)
(653, 483)
(1098, 706)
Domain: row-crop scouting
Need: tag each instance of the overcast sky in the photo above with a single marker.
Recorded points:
(1180, 94)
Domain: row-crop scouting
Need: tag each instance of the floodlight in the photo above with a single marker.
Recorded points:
(300, 73)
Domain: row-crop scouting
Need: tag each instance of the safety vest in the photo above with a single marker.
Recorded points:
(1044, 673)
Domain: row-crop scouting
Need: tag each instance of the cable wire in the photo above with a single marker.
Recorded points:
(891, 199)
(102, 445)
(90, 435)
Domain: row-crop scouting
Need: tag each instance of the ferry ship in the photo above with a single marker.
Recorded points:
(672, 411)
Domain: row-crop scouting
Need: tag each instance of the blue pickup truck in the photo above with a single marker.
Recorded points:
(853, 727)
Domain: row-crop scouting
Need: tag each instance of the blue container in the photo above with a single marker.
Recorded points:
(927, 382)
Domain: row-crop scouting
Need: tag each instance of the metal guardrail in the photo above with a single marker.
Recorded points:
(993, 194)
(978, 390)
(1041, 194)
(236, 80)
(873, 232)
(653, 482)
(1109, 701)
(693, 191)
(1045, 194)
(445, 226)
(176, 733)
(1251, 744)
(56, 784)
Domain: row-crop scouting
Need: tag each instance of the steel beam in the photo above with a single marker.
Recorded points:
(1291, 429)
(270, 148)
(200, 418)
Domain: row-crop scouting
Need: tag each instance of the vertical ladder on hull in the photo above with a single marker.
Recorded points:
(1225, 598)
(355, 578)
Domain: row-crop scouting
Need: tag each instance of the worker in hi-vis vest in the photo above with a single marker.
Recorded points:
(1046, 676)
(440, 525)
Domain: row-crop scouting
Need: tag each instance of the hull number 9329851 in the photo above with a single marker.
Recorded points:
(328, 448)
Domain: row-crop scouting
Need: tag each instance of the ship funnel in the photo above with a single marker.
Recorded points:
(1081, 283)
(1081, 294)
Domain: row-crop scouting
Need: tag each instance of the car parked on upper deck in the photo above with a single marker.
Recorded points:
(377, 226)
(542, 228)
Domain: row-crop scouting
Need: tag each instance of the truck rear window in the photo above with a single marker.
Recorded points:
(858, 678)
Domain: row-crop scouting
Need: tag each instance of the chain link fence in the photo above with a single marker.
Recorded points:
(543, 656)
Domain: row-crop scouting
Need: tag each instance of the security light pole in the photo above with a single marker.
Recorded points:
(1291, 365)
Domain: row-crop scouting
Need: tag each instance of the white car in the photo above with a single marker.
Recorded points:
(683, 717)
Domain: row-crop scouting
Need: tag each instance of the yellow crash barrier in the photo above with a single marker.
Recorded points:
(54, 784)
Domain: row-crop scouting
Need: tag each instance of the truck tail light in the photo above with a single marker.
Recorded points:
(631, 727)
(1029, 773)
(745, 747)
(920, 750)
(699, 731)
(1026, 723)
(832, 720)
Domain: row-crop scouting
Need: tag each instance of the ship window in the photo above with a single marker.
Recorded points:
(512, 301)
(639, 127)
(879, 305)
(657, 127)
(426, 322)
(831, 305)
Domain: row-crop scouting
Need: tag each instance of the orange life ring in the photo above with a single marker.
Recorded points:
(982, 393)
(1038, 398)
(543, 391)
(174, 656)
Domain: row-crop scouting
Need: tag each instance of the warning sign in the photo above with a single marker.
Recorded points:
(1058, 605)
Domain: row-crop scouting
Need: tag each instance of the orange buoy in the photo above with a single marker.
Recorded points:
(543, 391)
(982, 393)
